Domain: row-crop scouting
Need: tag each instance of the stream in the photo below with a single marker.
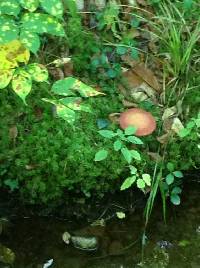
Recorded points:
(37, 242)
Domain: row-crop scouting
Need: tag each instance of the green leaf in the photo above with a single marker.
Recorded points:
(42, 23)
(127, 154)
(71, 5)
(135, 140)
(12, 184)
(140, 184)
(120, 215)
(70, 85)
(133, 170)
(121, 50)
(117, 145)
(147, 179)
(191, 124)
(62, 111)
(75, 104)
(111, 73)
(30, 40)
(136, 155)
(85, 90)
(169, 178)
(62, 87)
(66, 113)
(38, 72)
(5, 77)
(22, 83)
(9, 7)
(176, 190)
(134, 54)
(130, 130)
(107, 134)
(127, 183)
(30, 5)
(121, 134)
(178, 174)
(175, 199)
(184, 132)
(101, 155)
(8, 30)
(170, 166)
(187, 4)
(53, 7)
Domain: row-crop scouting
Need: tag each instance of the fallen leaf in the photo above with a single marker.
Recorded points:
(114, 117)
(129, 104)
(164, 138)
(13, 132)
(169, 112)
(177, 125)
(68, 69)
(155, 156)
(147, 75)
(142, 3)
(57, 73)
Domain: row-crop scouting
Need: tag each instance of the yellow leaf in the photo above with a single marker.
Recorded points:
(5, 77)
(22, 83)
(13, 53)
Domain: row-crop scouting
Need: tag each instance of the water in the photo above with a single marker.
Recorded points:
(176, 244)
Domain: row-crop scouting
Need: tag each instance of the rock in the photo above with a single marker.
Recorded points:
(85, 243)
(6, 255)
(198, 230)
(164, 244)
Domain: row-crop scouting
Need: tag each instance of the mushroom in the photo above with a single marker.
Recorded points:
(142, 120)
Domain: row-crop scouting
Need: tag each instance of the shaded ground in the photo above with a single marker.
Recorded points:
(176, 244)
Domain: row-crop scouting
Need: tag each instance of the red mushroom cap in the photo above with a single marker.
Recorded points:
(142, 120)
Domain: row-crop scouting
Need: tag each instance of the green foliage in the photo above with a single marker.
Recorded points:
(69, 87)
(177, 44)
(142, 181)
(122, 139)
(109, 17)
(49, 159)
(21, 77)
(30, 24)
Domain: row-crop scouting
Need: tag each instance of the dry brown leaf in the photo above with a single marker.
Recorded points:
(147, 75)
(30, 167)
(13, 132)
(129, 104)
(57, 73)
(133, 80)
(164, 138)
(134, 88)
(167, 124)
(114, 117)
(142, 3)
(68, 69)
(177, 125)
(155, 156)
(129, 61)
(169, 112)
